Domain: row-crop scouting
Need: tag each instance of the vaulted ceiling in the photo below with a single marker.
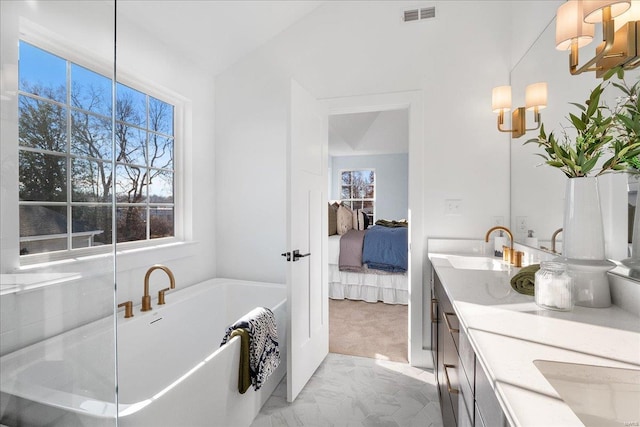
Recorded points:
(379, 132)
(213, 34)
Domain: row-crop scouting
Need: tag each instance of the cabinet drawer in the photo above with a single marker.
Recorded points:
(450, 375)
(452, 325)
(467, 359)
(488, 405)
(464, 418)
(465, 400)
(447, 315)
(448, 417)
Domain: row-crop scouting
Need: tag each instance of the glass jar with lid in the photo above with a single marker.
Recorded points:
(553, 287)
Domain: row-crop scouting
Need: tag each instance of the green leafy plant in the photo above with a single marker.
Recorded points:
(627, 121)
(600, 132)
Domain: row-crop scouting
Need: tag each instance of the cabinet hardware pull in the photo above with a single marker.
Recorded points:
(434, 316)
(446, 320)
(446, 377)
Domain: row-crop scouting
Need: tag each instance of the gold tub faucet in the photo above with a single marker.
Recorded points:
(128, 308)
(146, 298)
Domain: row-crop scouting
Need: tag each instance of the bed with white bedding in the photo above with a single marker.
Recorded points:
(387, 282)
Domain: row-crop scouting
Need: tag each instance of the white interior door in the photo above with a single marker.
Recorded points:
(307, 282)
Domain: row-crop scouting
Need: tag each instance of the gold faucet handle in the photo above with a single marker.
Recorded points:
(161, 295)
(128, 308)
(506, 254)
(516, 258)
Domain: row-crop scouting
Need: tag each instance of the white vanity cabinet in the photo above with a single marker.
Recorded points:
(466, 396)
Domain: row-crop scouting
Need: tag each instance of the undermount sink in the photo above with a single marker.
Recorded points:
(477, 263)
(600, 396)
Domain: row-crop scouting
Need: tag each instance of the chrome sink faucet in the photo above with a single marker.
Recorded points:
(146, 298)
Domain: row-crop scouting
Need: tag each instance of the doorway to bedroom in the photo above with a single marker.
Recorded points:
(368, 252)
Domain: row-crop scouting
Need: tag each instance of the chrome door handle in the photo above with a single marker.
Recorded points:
(297, 254)
(294, 256)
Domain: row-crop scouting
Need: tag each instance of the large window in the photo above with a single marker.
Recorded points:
(70, 167)
(358, 191)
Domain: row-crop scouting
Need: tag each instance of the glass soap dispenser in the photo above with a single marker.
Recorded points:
(553, 287)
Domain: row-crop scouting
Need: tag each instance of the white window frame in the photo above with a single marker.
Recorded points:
(56, 45)
(375, 191)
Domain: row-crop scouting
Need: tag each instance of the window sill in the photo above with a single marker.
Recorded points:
(38, 275)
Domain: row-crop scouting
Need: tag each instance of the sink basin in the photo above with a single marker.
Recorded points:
(477, 263)
(600, 396)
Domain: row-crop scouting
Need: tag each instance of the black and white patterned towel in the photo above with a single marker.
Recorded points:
(264, 353)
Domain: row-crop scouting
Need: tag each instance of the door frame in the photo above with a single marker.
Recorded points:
(419, 339)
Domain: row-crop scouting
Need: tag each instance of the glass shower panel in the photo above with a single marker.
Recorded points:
(57, 264)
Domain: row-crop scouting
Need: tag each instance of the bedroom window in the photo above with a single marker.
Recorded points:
(358, 190)
(68, 169)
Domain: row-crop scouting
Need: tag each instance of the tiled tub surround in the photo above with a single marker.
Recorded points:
(507, 332)
(171, 368)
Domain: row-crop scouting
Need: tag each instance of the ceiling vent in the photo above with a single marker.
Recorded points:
(428, 12)
(413, 15)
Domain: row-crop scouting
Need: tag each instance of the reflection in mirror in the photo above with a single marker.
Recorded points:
(537, 190)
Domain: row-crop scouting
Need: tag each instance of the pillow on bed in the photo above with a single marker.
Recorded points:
(360, 220)
(365, 220)
(333, 219)
(344, 220)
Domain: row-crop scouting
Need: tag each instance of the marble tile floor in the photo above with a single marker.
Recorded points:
(357, 391)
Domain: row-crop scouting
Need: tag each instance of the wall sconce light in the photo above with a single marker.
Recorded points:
(535, 99)
(575, 21)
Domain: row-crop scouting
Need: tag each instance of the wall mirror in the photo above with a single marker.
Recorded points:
(537, 190)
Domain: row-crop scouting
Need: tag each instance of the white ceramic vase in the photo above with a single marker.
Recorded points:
(634, 261)
(583, 243)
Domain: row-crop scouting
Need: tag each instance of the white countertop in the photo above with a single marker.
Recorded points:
(508, 331)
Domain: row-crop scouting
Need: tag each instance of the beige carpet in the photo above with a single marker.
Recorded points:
(377, 331)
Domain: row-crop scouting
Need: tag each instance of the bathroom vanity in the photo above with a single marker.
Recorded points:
(497, 353)
(456, 372)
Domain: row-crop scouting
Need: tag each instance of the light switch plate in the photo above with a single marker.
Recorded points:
(453, 207)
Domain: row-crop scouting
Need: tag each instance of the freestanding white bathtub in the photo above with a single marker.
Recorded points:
(171, 370)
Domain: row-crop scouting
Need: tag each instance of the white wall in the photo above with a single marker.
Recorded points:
(528, 19)
(391, 181)
(357, 48)
(349, 48)
(39, 313)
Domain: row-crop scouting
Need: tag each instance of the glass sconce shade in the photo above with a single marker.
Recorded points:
(536, 96)
(501, 99)
(570, 26)
(592, 9)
